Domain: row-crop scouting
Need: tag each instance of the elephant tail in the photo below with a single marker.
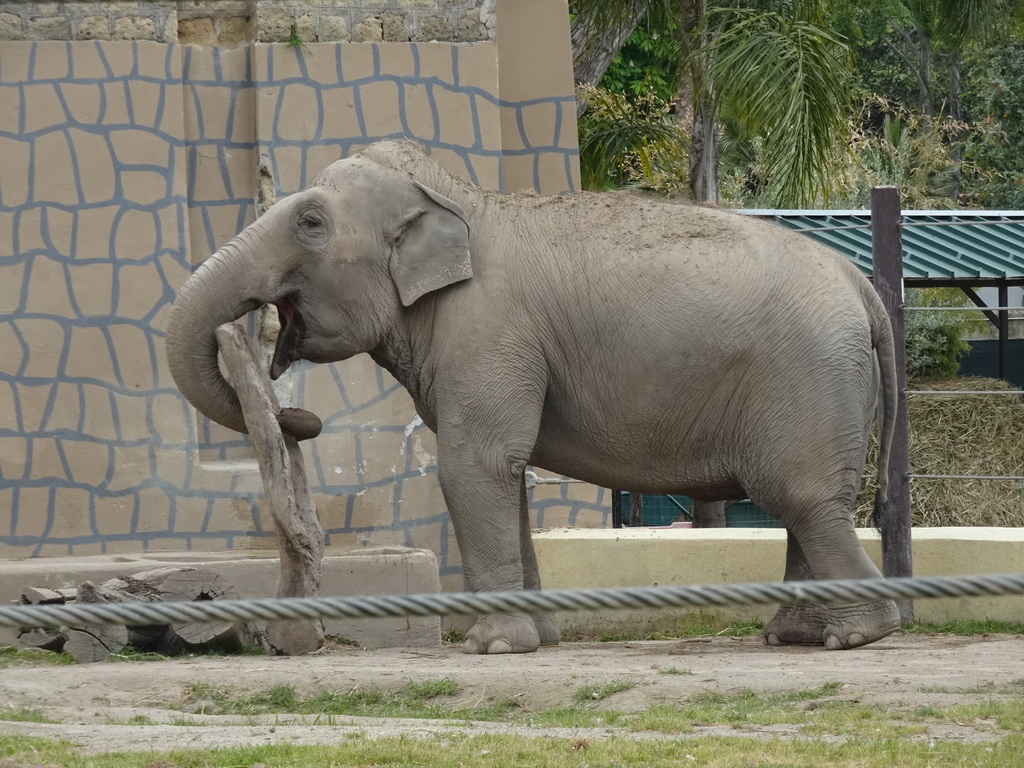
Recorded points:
(882, 341)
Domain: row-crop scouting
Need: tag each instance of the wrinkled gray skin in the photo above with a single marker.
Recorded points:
(629, 342)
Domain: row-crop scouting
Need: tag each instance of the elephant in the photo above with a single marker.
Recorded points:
(621, 339)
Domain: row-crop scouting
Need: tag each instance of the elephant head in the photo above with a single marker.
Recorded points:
(341, 261)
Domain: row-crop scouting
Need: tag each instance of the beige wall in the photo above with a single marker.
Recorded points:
(643, 557)
(126, 164)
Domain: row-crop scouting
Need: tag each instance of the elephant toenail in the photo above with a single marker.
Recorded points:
(833, 643)
(499, 646)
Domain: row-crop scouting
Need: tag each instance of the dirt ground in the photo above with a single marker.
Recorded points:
(92, 704)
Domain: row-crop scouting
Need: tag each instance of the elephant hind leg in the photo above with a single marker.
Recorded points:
(797, 624)
(824, 545)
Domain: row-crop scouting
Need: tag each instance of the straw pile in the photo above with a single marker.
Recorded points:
(961, 435)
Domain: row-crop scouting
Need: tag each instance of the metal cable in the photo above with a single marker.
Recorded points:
(528, 601)
(964, 309)
(1017, 392)
(965, 477)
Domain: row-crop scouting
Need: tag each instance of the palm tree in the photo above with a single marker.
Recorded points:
(770, 64)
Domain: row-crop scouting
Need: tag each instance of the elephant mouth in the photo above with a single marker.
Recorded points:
(293, 328)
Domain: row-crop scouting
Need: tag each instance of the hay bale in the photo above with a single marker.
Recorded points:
(960, 435)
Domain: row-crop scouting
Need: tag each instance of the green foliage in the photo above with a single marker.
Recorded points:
(630, 141)
(905, 150)
(935, 340)
(996, 99)
(649, 63)
(785, 80)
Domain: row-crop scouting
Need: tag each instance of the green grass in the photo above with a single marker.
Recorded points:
(1008, 688)
(697, 624)
(675, 671)
(425, 699)
(24, 715)
(977, 627)
(494, 751)
(11, 656)
(453, 635)
(600, 692)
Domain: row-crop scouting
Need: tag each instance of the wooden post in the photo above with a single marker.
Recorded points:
(300, 537)
(894, 518)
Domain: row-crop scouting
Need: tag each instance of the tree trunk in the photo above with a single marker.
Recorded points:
(708, 514)
(956, 151)
(594, 47)
(704, 134)
(704, 155)
(924, 80)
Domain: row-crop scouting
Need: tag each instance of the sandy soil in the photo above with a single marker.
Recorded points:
(92, 703)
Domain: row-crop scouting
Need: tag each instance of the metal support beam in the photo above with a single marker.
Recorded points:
(1004, 333)
(893, 517)
(616, 509)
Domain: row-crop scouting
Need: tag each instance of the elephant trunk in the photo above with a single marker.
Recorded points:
(226, 286)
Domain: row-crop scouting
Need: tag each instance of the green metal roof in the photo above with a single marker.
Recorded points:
(978, 247)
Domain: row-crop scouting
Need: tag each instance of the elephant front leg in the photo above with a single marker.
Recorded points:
(547, 627)
(483, 495)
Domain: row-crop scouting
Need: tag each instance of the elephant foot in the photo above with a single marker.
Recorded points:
(547, 629)
(851, 625)
(515, 633)
(797, 625)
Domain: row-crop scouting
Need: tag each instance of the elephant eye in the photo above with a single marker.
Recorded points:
(311, 221)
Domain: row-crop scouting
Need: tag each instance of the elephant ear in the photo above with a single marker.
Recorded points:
(431, 248)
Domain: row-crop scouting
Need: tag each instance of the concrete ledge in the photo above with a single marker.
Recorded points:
(577, 558)
(382, 571)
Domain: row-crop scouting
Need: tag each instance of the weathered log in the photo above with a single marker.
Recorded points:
(45, 596)
(89, 644)
(43, 639)
(179, 584)
(300, 537)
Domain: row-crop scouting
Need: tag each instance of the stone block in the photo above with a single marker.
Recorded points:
(273, 25)
(11, 27)
(94, 28)
(305, 28)
(135, 28)
(333, 29)
(48, 28)
(233, 30)
(471, 28)
(394, 28)
(197, 31)
(369, 30)
(434, 29)
(14, 189)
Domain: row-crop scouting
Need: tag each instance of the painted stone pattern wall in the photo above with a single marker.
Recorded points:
(127, 164)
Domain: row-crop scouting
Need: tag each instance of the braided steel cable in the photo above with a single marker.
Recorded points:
(284, 609)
